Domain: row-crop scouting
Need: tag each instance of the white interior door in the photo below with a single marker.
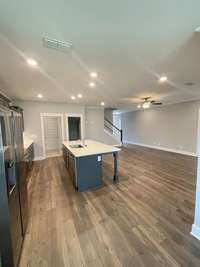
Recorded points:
(52, 135)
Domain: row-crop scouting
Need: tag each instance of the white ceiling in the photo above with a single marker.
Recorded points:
(129, 43)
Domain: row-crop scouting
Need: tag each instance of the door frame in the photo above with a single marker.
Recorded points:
(42, 115)
(67, 115)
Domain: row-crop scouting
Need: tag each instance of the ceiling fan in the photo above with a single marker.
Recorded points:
(147, 102)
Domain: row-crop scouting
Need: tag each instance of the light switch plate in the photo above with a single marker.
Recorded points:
(99, 158)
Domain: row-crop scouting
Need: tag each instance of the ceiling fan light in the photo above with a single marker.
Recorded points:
(146, 105)
(163, 79)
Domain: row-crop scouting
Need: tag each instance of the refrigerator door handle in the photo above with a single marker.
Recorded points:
(11, 164)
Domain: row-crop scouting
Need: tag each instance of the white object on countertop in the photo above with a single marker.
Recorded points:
(91, 148)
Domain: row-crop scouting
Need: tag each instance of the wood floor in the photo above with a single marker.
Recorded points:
(145, 220)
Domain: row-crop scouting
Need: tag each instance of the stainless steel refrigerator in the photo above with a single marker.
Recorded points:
(13, 190)
(17, 118)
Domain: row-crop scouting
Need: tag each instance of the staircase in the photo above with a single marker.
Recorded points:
(113, 131)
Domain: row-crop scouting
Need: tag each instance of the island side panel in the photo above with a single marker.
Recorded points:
(70, 162)
(89, 172)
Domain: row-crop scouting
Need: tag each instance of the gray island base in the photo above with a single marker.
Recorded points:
(85, 163)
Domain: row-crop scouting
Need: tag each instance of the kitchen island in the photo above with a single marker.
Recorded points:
(84, 162)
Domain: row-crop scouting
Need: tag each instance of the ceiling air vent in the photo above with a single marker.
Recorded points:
(65, 47)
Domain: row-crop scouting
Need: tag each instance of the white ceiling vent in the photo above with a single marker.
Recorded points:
(65, 47)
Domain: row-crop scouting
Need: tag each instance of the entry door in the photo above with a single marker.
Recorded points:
(52, 133)
(74, 128)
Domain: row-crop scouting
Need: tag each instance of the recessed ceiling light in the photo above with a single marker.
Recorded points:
(92, 84)
(93, 74)
(163, 79)
(138, 106)
(73, 97)
(102, 104)
(79, 95)
(32, 62)
(40, 96)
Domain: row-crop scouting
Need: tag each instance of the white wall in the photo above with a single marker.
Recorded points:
(32, 110)
(108, 114)
(94, 123)
(94, 126)
(196, 226)
(117, 120)
(172, 127)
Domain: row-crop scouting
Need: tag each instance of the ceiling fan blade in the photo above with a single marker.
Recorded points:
(156, 103)
(146, 98)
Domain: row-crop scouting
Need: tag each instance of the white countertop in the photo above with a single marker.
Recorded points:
(91, 148)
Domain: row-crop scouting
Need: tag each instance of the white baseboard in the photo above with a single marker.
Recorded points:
(195, 231)
(163, 148)
(39, 158)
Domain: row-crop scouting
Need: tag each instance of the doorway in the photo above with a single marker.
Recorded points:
(74, 127)
(52, 133)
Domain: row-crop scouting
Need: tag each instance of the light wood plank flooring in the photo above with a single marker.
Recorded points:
(145, 220)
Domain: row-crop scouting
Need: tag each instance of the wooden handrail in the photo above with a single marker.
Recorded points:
(112, 124)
